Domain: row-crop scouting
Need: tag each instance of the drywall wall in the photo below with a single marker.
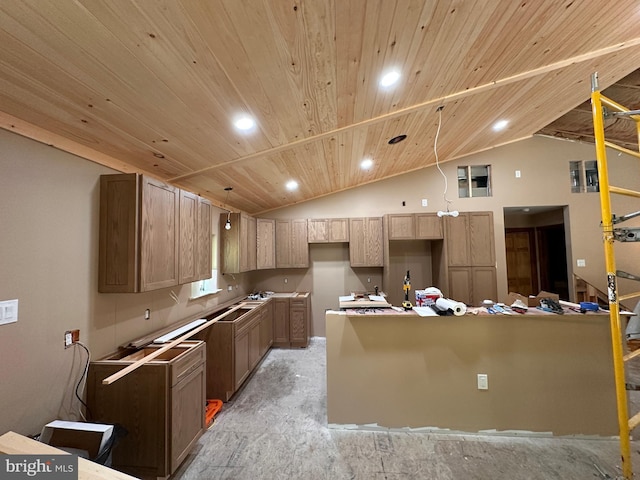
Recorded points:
(403, 371)
(49, 259)
(544, 181)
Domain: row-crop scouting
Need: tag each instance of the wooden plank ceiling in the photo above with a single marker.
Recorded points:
(154, 86)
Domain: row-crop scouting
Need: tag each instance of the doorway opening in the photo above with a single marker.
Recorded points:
(536, 250)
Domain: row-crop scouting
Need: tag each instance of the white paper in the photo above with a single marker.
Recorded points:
(346, 298)
(377, 298)
(425, 311)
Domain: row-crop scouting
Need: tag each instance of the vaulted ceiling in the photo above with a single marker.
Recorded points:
(154, 86)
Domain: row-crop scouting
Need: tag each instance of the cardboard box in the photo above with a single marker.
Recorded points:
(531, 300)
(90, 437)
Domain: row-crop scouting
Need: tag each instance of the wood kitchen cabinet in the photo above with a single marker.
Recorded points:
(152, 235)
(161, 405)
(414, 226)
(328, 230)
(195, 238)
(266, 243)
(470, 252)
(291, 317)
(235, 345)
(292, 248)
(366, 242)
(239, 243)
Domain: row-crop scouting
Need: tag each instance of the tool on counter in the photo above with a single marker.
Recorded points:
(406, 286)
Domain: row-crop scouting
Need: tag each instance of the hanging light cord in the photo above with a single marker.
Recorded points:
(435, 151)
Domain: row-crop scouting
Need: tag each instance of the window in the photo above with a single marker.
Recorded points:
(210, 285)
(584, 176)
(474, 181)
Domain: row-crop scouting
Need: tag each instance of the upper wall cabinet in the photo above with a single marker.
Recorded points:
(366, 242)
(415, 226)
(238, 252)
(195, 238)
(140, 224)
(470, 240)
(292, 248)
(266, 243)
(328, 230)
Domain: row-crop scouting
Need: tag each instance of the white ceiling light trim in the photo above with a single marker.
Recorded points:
(366, 164)
(292, 185)
(390, 78)
(500, 125)
(244, 123)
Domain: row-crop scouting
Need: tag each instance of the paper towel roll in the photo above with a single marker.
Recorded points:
(458, 308)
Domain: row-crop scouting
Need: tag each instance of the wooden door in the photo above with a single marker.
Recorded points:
(265, 243)
(254, 342)
(402, 226)
(521, 262)
(281, 322)
(299, 244)
(203, 258)
(428, 226)
(159, 235)
(298, 322)
(317, 230)
(480, 235)
(357, 242)
(241, 356)
(188, 236)
(460, 285)
(374, 242)
(483, 285)
(283, 244)
(187, 415)
(338, 230)
(458, 245)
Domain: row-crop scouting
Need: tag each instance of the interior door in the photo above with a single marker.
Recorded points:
(521, 261)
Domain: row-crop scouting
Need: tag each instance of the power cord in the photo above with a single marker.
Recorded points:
(83, 379)
(435, 151)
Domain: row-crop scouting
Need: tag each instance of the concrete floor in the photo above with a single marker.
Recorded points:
(276, 428)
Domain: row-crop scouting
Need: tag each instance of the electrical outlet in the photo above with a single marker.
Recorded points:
(286, 280)
(68, 339)
(483, 381)
(368, 279)
(147, 314)
(424, 202)
(518, 174)
(229, 287)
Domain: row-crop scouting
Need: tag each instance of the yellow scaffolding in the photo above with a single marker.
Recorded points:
(598, 105)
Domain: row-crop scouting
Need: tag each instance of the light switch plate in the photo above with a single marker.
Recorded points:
(8, 311)
(425, 202)
(581, 262)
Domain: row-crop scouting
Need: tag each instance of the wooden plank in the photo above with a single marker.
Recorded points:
(13, 443)
(121, 373)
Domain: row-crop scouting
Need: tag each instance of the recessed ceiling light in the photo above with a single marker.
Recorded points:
(500, 125)
(366, 164)
(397, 139)
(244, 123)
(292, 185)
(389, 78)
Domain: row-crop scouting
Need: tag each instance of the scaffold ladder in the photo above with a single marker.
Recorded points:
(601, 106)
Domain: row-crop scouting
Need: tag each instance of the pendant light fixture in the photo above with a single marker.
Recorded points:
(227, 225)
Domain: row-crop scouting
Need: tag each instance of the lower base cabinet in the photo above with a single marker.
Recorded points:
(472, 285)
(161, 405)
(235, 347)
(291, 321)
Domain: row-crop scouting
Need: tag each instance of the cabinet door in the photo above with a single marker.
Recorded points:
(482, 245)
(338, 230)
(254, 343)
(251, 243)
(203, 257)
(283, 244)
(266, 328)
(299, 244)
(158, 235)
(373, 241)
(357, 232)
(244, 244)
(118, 256)
(265, 243)
(318, 230)
(189, 217)
(458, 245)
(298, 322)
(460, 285)
(241, 367)
(281, 322)
(428, 226)
(187, 415)
(484, 285)
(402, 227)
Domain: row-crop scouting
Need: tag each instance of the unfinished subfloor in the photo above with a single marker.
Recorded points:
(276, 428)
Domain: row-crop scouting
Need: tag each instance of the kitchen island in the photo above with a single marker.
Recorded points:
(547, 373)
